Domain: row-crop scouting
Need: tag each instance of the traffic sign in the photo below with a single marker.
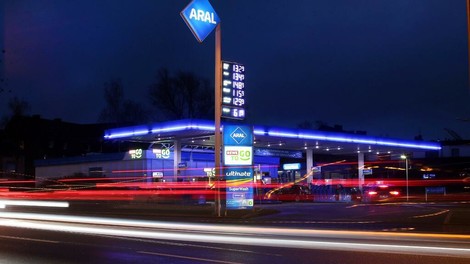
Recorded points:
(201, 18)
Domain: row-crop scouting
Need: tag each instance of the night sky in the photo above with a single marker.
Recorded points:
(392, 68)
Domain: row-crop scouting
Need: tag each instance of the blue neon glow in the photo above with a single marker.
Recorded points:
(208, 126)
(127, 134)
(170, 129)
(350, 139)
(259, 132)
(211, 128)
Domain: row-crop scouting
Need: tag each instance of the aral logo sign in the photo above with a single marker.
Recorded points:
(201, 15)
(201, 18)
(238, 135)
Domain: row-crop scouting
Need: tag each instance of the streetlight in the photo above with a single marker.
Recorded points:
(406, 169)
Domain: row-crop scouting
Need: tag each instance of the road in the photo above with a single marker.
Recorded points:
(299, 233)
(416, 217)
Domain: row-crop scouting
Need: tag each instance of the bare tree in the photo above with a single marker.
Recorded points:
(305, 125)
(182, 96)
(118, 109)
(18, 107)
(114, 98)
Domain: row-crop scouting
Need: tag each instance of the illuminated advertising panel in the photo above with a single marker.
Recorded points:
(239, 187)
(201, 18)
(238, 165)
(136, 154)
(233, 90)
(238, 155)
(237, 136)
(162, 153)
(142, 154)
(291, 166)
(157, 174)
(233, 112)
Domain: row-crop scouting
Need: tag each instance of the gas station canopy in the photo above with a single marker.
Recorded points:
(193, 133)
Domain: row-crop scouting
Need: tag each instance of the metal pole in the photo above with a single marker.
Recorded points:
(217, 110)
(406, 164)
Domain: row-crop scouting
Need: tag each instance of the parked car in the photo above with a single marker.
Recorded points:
(290, 193)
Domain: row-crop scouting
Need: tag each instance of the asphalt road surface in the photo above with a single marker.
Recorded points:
(279, 233)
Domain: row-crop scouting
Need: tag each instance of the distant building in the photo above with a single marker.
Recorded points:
(455, 149)
(28, 138)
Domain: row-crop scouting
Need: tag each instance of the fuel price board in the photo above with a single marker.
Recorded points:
(233, 90)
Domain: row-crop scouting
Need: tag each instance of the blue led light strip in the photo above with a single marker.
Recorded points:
(204, 125)
(126, 134)
(350, 139)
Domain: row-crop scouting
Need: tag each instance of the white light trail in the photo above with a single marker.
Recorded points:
(242, 235)
(4, 203)
(224, 228)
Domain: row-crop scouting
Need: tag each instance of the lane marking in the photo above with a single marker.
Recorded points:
(430, 215)
(30, 239)
(186, 257)
(181, 244)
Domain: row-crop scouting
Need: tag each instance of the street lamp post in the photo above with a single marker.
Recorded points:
(406, 172)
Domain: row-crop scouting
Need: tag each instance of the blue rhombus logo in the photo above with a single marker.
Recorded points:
(201, 18)
(238, 135)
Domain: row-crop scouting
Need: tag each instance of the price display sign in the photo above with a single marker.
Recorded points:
(233, 90)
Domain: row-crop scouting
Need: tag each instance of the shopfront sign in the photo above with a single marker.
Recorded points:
(157, 174)
(136, 153)
(291, 166)
(163, 153)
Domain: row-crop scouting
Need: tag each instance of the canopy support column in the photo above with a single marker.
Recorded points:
(309, 165)
(176, 158)
(360, 167)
